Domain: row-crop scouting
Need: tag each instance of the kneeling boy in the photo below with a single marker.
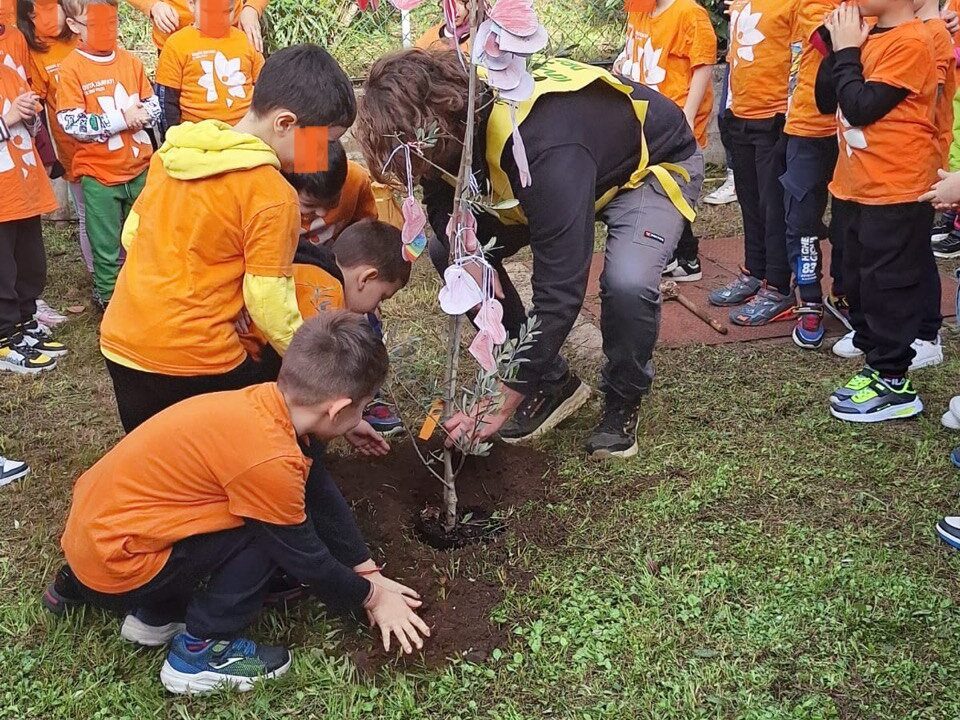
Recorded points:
(188, 517)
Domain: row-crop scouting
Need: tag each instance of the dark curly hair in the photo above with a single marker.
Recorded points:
(405, 91)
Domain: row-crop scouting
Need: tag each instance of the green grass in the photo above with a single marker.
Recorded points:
(757, 560)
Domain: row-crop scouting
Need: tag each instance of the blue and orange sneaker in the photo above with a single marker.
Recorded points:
(382, 418)
(195, 666)
(809, 332)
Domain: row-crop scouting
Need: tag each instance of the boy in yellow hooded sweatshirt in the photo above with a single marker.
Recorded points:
(215, 230)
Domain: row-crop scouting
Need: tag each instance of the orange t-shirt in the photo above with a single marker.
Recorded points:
(24, 185)
(946, 82)
(14, 51)
(803, 117)
(895, 159)
(761, 32)
(435, 39)
(215, 76)
(107, 85)
(663, 51)
(45, 78)
(200, 466)
(357, 202)
(185, 16)
(181, 288)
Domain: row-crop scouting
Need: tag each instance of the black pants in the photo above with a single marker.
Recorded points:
(141, 395)
(758, 149)
(689, 246)
(23, 272)
(216, 582)
(809, 168)
(888, 270)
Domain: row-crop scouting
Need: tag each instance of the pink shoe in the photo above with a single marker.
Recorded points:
(46, 315)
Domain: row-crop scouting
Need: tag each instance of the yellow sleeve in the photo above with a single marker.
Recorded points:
(130, 227)
(272, 304)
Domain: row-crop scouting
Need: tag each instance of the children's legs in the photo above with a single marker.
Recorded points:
(76, 191)
(103, 209)
(30, 259)
(689, 246)
(9, 300)
(838, 285)
(131, 191)
(810, 163)
(771, 149)
(643, 228)
(847, 227)
(896, 265)
(932, 319)
(744, 155)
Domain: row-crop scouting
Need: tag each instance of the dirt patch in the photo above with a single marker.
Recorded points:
(460, 586)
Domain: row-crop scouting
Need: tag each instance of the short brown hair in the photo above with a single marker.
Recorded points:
(333, 355)
(75, 8)
(406, 91)
(374, 243)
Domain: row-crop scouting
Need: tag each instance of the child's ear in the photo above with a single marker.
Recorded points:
(368, 274)
(284, 122)
(337, 406)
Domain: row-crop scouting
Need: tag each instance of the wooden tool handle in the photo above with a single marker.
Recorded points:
(720, 328)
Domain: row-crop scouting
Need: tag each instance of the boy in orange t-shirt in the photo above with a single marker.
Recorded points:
(168, 16)
(760, 56)
(883, 83)
(200, 77)
(673, 50)
(46, 55)
(25, 345)
(184, 522)
(810, 161)
(438, 36)
(106, 103)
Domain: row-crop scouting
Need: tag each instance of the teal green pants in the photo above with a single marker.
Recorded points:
(107, 207)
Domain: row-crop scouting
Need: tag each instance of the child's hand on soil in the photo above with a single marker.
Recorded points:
(410, 596)
(945, 194)
(847, 28)
(391, 613)
(367, 440)
(468, 430)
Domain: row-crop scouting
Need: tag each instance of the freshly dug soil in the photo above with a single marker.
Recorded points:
(459, 586)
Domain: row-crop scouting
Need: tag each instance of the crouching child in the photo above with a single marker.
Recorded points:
(184, 523)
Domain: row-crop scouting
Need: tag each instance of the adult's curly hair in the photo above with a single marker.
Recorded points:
(405, 91)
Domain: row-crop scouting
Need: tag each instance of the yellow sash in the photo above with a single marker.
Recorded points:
(562, 75)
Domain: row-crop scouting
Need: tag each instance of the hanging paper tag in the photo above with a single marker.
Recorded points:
(432, 420)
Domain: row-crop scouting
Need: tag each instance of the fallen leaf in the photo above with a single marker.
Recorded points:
(76, 309)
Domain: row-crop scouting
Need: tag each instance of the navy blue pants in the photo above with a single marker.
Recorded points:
(809, 169)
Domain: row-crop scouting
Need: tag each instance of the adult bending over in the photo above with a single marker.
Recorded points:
(597, 149)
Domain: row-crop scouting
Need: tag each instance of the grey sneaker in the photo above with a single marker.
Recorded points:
(765, 307)
(737, 292)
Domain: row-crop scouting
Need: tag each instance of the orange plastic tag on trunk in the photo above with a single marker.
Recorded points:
(310, 149)
(215, 18)
(432, 420)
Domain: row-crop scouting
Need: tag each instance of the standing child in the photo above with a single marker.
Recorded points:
(200, 77)
(168, 16)
(761, 34)
(105, 102)
(810, 162)
(25, 345)
(14, 52)
(672, 50)
(46, 55)
(884, 83)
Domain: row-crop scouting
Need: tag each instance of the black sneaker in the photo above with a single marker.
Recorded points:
(547, 407)
(949, 247)
(17, 356)
(616, 435)
(685, 271)
(940, 232)
(63, 594)
(39, 337)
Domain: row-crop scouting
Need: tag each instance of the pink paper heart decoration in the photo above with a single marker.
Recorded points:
(516, 16)
(480, 41)
(460, 292)
(492, 45)
(415, 249)
(482, 350)
(508, 42)
(500, 62)
(414, 220)
(520, 156)
(406, 4)
(490, 319)
(510, 77)
(469, 229)
(522, 92)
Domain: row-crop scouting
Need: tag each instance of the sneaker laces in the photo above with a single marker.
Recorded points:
(618, 417)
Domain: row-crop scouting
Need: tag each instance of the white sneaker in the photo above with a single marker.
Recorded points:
(929, 353)
(136, 631)
(951, 418)
(11, 470)
(845, 348)
(725, 194)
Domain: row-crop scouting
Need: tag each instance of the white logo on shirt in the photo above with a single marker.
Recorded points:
(21, 140)
(851, 138)
(746, 34)
(227, 71)
(121, 101)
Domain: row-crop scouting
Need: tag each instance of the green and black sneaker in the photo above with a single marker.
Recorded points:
(857, 383)
(880, 400)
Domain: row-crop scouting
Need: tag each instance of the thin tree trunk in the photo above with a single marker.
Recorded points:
(456, 323)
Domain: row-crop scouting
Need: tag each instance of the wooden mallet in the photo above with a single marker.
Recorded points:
(670, 291)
